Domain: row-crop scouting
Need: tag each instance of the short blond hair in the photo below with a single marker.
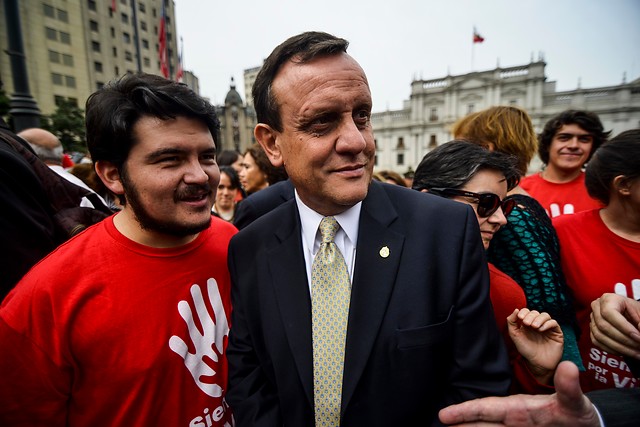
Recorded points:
(506, 129)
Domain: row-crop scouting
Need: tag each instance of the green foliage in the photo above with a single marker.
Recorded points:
(67, 123)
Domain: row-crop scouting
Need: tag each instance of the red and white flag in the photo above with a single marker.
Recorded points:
(477, 38)
(180, 71)
(162, 43)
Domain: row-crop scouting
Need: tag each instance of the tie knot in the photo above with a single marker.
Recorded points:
(328, 229)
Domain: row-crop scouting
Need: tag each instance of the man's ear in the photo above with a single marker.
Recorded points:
(110, 176)
(268, 139)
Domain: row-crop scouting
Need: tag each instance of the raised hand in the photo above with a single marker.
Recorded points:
(539, 339)
(208, 344)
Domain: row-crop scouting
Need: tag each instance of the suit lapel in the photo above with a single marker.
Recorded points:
(377, 259)
(289, 280)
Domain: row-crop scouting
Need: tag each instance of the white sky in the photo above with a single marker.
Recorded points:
(396, 41)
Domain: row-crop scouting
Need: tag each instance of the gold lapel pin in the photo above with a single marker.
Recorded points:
(384, 251)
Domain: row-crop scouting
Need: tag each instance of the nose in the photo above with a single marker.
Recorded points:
(498, 217)
(573, 142)
(351, 138)
(196, 173)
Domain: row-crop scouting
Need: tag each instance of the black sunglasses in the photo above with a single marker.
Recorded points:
(488, 203)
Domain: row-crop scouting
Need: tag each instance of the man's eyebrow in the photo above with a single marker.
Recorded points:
(155, 155)
(573, 134)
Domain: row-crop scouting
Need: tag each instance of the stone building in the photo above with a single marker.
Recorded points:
(404, 136)
(237, 121)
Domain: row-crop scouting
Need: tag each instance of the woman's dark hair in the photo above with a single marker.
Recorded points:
(233, 176)
(453, 164)
(619, 156)
(113, 111)
(274, 174)
(228, 157)
(301, 48)
(588, 121)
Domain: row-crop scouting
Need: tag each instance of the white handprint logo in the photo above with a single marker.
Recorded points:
(213, 333)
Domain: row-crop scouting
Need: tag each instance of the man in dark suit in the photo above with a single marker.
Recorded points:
(420, 332)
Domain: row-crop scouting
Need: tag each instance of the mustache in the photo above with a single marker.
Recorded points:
(192, 191)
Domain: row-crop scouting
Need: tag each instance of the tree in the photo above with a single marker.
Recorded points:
(67, 123)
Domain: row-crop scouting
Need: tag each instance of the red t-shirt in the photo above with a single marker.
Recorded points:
(596, 261)
(506, 295)
(560, 199)
(107, 332)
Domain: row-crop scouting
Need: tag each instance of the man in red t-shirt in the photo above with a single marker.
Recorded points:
(565, 146)
(127, 323)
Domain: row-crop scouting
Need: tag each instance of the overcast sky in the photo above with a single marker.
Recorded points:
(395, 41)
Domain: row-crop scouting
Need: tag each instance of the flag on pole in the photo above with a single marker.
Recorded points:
(180, 70)
(477, 38)
(162, 43)
(113, 5)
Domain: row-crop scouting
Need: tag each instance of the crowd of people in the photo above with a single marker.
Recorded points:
(294, 284)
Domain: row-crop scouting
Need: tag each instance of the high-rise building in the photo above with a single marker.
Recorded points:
(73, 47)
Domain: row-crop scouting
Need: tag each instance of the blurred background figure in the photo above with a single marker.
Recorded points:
(526, 248)
(470, 174)
(228, 187)
(392, 177)
(257, 171)
(234, 159)
(86, 171)
(567, 142)
(600, 250)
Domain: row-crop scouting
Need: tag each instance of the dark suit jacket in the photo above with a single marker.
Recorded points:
(261, 202)
(619, 407)
(421, 333)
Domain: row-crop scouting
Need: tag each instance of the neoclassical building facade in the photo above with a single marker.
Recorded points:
(404, 136)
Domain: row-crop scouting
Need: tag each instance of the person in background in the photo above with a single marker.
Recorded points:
(615, 326)
(470, 174)
(257, 172)
(48, 148)
(526, 248)
(600, 250)
(392, 177)
(85, 170)
(231, 158)
(395, 339)
(225, 205)
(103, 330)
(567, 142)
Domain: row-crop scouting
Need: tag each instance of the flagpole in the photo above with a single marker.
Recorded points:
(136, 41)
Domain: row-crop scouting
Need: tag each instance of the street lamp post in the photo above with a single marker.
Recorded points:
(22, 107)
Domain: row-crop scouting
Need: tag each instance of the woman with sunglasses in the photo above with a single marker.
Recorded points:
(527, 247)
(467, 173)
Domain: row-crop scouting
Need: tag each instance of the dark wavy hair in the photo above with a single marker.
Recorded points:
(301, 49)
(453, 164)
(233, 176)
(619, 156)
(588, 121)
(113, 111)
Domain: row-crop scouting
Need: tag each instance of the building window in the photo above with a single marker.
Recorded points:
(48, 11)
(470, 108)
(113, 33)
(115, 52)
(58, 100)
(145, 43)
(93, 25)
(54, 57)
(99, 85)
(51, 34)
(56, 79)
(400, 145)
(116, 70)
(400, 159)
(433, 142)
(97, 66)
(142, 7)
(91, 4)
(513, 102)
(126, 38)
(147, 62)
(67, 60)
(375, 160)
(124, 18)
(65, 37)
(143, 26)
(63, 15)
(128, 56)
(95, 46)
(433, 116)
(70, 81)
(73, 101)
